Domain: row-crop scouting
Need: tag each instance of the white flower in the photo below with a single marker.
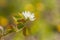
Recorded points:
(1, 28)
(29, 15)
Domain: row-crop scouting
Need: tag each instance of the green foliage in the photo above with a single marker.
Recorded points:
(20, 25)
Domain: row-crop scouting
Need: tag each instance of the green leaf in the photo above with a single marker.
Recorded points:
(20, 25)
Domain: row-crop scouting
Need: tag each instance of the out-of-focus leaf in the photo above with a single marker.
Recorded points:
(20, 25)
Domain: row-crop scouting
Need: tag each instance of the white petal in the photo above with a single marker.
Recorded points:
(32, 16)
(32, 19)
(28, 14)
(25, 15)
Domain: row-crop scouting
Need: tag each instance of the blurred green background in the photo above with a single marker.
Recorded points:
(47, 14)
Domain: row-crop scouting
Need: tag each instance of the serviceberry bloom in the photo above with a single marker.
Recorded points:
(29, 15)
(1, 28)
